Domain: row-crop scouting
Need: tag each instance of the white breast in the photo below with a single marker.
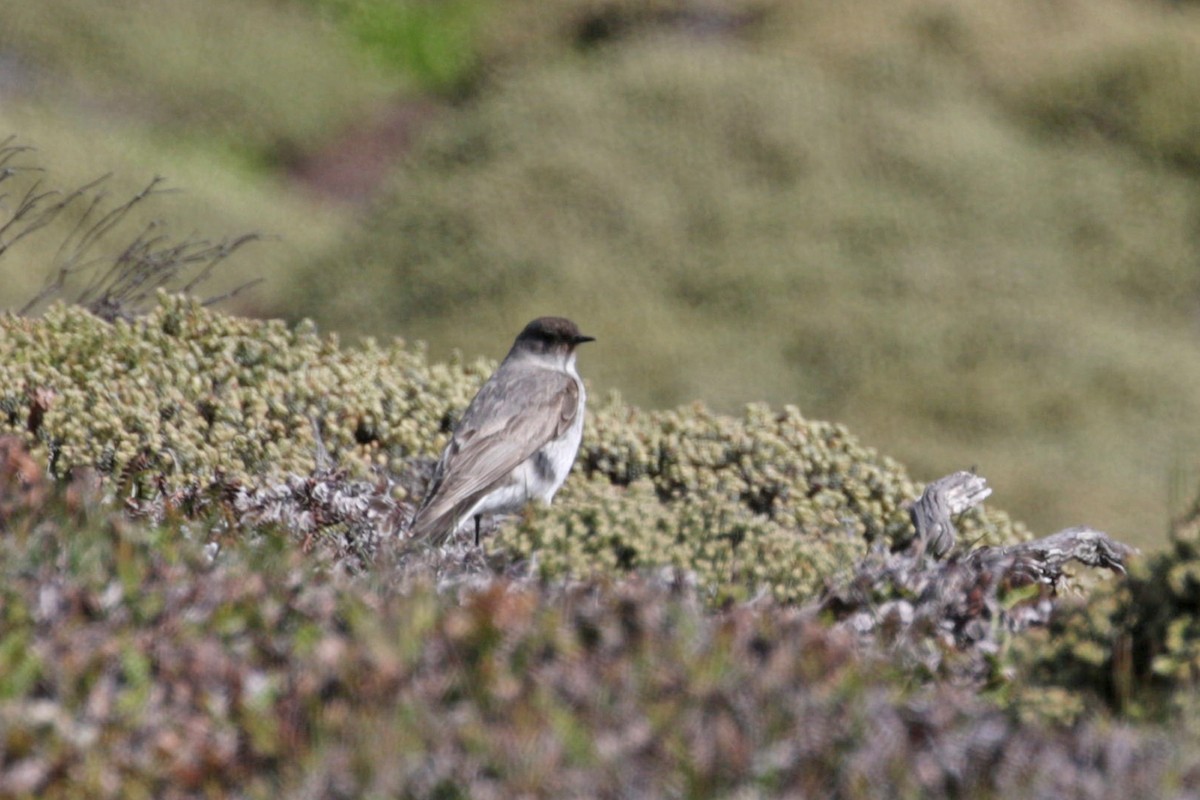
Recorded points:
(539, 476)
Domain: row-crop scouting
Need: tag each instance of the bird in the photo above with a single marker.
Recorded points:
(517, 439)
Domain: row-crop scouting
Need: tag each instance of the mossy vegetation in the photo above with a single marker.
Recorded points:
(211, 655)
(201, 393)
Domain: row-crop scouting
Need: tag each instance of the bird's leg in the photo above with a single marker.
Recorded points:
(477, 518)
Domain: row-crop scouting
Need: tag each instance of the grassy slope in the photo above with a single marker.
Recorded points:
(882, 243)
(188, 91)
(201, 71)
(212, 197)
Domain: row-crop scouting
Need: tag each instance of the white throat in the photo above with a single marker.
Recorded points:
(561, 361)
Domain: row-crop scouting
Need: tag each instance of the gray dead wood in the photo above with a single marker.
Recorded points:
(1043, 559)
(933, 592)
(932, 515)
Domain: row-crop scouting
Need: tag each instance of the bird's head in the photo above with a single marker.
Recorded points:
(550, 335)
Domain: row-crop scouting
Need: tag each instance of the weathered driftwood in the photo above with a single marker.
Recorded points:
(932, 515)
(1044, 559)
(946, 498)
(965, 600)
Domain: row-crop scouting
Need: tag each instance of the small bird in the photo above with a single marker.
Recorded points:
(518, 438)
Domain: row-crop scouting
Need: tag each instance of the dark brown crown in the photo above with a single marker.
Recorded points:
(548, 332)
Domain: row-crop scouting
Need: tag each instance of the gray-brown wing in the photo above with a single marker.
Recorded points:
(513, 415)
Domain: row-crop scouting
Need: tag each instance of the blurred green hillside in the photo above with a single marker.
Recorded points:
(969, 231)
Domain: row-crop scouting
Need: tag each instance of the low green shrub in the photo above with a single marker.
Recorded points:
(183, 397)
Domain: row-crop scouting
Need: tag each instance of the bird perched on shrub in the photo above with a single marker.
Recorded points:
(518, 438)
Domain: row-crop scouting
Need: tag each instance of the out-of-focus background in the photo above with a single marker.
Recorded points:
(969, 230)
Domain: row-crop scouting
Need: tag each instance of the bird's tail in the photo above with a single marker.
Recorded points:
(433, 526)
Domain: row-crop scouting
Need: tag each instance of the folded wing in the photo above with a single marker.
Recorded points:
(507, 422)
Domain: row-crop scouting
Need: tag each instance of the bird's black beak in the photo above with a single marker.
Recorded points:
(580, 339)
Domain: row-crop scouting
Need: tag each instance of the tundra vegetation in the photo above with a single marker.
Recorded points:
(206, 593)
(965, 232)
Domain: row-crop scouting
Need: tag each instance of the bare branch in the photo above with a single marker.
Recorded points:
(109, 285)
(1043, 560)
(932, 515)
(970, 600)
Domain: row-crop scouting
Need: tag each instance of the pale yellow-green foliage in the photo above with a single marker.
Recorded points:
(765, 501)
(204, 393)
